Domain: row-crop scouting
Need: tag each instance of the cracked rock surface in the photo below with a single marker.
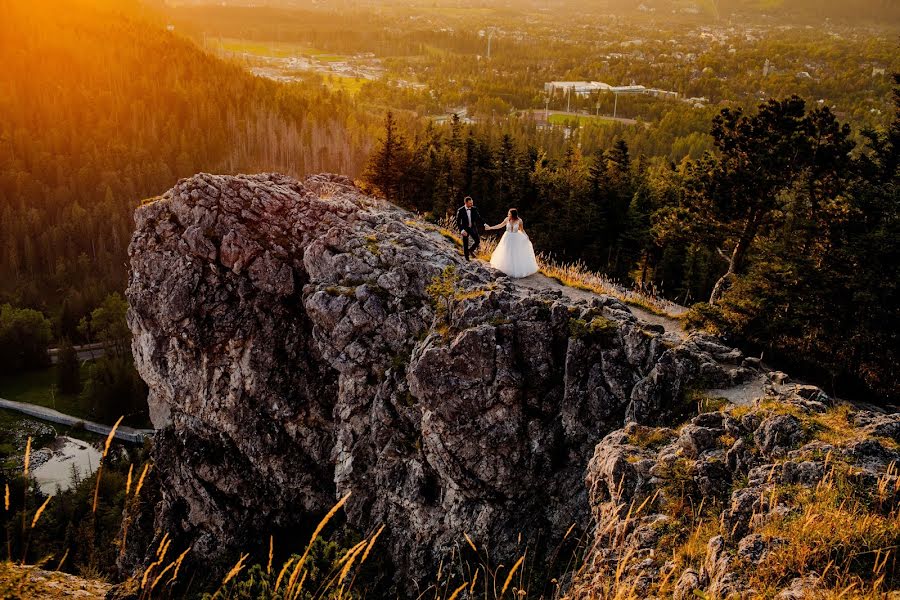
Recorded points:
(293, 355)
(754, 465)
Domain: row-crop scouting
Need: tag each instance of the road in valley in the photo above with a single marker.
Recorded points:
(86, 352)
(123, 433)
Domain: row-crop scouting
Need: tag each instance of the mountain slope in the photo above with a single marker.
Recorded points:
(102, 106)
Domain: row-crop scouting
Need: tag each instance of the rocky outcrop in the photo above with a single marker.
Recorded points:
(294, 354)
(24, 582)
(766, 479)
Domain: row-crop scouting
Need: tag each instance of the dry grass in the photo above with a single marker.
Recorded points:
(771, 406)
(692, 551)
(480, 576)
(650, 437)
(575, 275)
(837, 533)
(832, 427)
(301, 576)
(578, 276)
(704, 402)
(848, 535)
(34, 583)
(845, 530)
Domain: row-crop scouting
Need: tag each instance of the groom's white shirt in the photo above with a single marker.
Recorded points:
(469, 215)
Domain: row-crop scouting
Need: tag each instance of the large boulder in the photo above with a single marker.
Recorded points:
(294, 354)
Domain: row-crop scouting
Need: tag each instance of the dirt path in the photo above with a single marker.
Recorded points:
(539, 282)
(744, 393)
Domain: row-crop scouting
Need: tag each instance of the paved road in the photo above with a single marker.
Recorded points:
(125, 434)
(86, 352)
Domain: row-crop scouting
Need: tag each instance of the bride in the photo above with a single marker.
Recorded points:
(514, 254)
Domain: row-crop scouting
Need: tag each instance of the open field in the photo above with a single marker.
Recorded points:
(562, 119)
(39, 387)
(350, 85)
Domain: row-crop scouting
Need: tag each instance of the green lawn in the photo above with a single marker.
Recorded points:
(582, 120)
(278, 49)
(350, 85)
(39, 387)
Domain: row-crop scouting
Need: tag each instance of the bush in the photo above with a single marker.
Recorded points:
(114, 388)
(24, 337)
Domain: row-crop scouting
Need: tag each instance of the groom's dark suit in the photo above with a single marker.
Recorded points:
(469, 220)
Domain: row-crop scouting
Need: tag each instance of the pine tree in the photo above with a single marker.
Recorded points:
(761, 156)
(68, 370)
(389, 163)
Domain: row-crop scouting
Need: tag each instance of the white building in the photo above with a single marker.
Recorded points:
(579, 88)
(586, 88)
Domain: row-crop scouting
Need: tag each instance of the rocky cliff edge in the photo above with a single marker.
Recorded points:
(295, 352)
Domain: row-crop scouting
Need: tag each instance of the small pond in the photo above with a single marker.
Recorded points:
(57, 462)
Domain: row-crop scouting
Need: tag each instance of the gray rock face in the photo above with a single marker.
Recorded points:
(747, 463)
(293, 355)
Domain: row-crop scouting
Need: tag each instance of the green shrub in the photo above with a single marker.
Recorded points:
(598, 329)
(24, 337)
(68, 370)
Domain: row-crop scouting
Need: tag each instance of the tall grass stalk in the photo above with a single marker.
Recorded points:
(509, 577)
(109, 439)
(6, 509)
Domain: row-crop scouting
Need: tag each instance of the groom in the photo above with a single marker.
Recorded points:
(468, 220)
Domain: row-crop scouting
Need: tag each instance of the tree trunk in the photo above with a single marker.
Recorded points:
(644, 271)
(737, 256)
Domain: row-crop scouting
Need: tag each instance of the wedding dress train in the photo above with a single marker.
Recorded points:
(514, 254)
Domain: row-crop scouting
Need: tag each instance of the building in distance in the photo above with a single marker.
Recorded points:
(586, 88)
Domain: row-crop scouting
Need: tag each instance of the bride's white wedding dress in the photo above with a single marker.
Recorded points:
(514, 254)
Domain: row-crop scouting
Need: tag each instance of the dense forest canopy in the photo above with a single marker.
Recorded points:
(432, 60)
(705, 10)
(102, 107)
(859, 10)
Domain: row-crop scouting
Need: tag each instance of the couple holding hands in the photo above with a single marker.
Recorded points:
(514, 254)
